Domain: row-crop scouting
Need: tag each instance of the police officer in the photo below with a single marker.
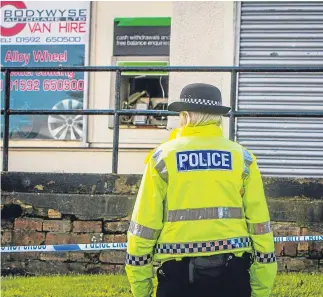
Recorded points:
(201, 212)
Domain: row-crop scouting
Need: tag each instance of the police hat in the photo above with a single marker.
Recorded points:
(200, 97)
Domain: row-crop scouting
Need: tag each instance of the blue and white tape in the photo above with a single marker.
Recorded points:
(65, 247)
(298, 238)
(100, 246)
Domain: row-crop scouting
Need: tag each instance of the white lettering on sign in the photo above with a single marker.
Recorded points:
(204, 160)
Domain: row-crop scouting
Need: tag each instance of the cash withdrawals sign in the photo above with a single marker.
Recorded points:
(41, 34)
(141, 36)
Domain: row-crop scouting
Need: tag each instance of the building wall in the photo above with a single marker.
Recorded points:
(202, 34)
(47, 208)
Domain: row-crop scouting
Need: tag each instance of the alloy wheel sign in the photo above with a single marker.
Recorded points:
(41, 34)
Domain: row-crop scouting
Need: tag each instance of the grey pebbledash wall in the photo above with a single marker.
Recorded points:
(45, 208)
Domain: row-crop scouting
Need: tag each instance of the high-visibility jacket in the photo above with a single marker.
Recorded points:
(173, 134)
(201, 194)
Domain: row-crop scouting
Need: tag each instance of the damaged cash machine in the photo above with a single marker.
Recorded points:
(142, 42)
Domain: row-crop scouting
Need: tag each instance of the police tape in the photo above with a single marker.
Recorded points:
(100, 246)
(94, 246)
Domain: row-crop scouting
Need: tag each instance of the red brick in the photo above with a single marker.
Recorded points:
(6, 237)
(290, 249)
(61, 257)
(57, 226)
(302, 248)
(304, 231)
(28, 238)
(115, 238)
(67, 238)
(116, 227)
(87, 226)
(113, 257)
(54, 214)
(28, 224)
(279, 248)
(96, 237)
(283, 230)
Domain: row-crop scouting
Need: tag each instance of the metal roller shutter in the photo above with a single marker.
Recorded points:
(286, 34)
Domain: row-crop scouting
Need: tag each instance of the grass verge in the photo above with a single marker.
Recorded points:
(287, 285)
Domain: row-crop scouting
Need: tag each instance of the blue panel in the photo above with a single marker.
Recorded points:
(203, 160)
(66, 247)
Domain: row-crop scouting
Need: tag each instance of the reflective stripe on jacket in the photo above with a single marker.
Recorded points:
(201, 194)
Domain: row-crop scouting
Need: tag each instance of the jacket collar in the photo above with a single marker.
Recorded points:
(207, 130)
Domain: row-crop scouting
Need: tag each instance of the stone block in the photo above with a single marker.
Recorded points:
(293, 187)
(84, 257)
(26, 224)
(76, 268)
(316, 250)
(95, 268)
(6, 225)
(82, 206)
(57, 226)
(28, 238)
(113, 269)
(38, 267)
(40, 212)
(105, 269)
(113, 257)
(13, 269)
(320, 267)
(62, 257)
(120, 269)
(70, 238)
(5, 258)
(297, 265)
(54, 214)
(87, 226)
(290, 249)
(126, 184)
(20, 257)
(116, 227)
(301, 211)
(6, 237)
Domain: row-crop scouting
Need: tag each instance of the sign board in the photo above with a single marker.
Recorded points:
(143, 64)
(41, 34)
(141, 36)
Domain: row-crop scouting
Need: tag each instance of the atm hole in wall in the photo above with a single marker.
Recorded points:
(144, 92)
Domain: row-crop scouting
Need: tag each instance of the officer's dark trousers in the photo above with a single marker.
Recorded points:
(173, 281)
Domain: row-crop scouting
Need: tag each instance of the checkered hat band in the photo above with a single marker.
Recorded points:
(265, 257)
(203, 247)
(138, 260)
(200, 101)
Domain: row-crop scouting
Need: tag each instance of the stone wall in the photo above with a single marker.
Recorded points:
(88, 208)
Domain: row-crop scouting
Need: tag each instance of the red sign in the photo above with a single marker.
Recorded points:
(16, 29)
